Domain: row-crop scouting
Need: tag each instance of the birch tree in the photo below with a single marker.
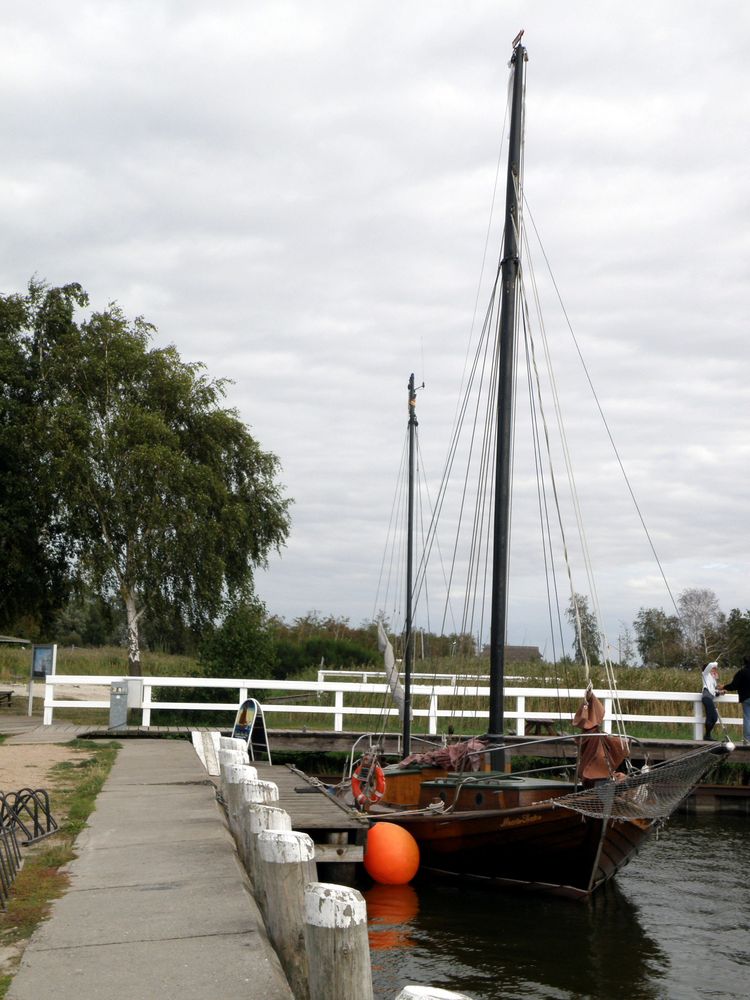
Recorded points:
(163, 496)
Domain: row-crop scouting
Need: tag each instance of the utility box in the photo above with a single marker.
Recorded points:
(118, 704)
(135, 692)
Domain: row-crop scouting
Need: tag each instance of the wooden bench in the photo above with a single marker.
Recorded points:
(541, 727)
(6, 697)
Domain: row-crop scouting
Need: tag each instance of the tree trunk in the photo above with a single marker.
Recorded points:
(134, 648)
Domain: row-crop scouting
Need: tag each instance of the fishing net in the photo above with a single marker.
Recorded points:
(652, 793)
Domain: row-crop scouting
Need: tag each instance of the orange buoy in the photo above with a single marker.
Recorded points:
(391, 855)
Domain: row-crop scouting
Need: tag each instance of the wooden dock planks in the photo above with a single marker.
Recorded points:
(338, 832)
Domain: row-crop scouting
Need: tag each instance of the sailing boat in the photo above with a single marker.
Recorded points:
(562, 837)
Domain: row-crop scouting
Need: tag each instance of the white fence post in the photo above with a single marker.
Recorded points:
(146, 704)
(699, 723)
(433, 716)
(49, 697)
(338, 719)
(521, 721)
(314, 698)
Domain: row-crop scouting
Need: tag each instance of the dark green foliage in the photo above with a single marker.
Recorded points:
(33, 551)
(659, 638)
(242, 645)
(131, 480)
(585, 630)
(90, 620)
(295, 657)
(737, 636)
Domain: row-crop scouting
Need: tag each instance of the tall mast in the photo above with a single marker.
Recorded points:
(509, 266)
(409, 643)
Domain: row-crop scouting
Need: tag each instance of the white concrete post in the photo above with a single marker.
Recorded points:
(256, 818)
(232, 743)
(288, 865)
(233, 774)
(251, 791)
(227, 756)
(338, 951)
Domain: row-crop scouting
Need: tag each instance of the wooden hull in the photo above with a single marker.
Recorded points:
(531, 844)
(541, 847)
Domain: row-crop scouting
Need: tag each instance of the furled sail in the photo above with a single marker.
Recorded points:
(391, 671)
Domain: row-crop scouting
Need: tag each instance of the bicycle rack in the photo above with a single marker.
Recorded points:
(29, 810)
(10, 859)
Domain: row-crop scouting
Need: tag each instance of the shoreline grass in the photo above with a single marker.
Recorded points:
(73, 788)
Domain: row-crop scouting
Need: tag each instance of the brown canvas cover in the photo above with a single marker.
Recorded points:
(600, 756)
(464, 756)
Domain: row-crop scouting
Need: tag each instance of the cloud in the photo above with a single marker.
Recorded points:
(298, 196)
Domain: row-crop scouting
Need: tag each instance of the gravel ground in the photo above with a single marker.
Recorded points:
(29, 765)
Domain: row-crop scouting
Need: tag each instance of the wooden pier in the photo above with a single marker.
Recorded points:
(338, 832)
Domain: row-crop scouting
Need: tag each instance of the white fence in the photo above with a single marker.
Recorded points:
(336, 699)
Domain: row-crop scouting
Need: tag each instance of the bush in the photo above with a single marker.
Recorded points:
(242, 646)
(295, 657)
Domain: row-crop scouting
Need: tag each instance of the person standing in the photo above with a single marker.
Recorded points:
(741, 684)
(711, 687)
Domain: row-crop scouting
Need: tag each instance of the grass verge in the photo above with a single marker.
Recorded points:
(73, 787)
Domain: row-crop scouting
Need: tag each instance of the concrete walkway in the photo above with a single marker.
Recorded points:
(158, 905)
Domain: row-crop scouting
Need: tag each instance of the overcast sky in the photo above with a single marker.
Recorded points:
(297, 194)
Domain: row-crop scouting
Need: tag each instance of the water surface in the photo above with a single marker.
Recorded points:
(676, 924)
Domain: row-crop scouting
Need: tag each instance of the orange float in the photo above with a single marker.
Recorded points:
(391, 854)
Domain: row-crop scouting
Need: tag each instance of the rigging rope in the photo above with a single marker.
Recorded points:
(652, 793)
(601, 412)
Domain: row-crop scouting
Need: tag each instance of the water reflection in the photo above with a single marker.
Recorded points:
(470, 940)
(391, 910)
(676, 926)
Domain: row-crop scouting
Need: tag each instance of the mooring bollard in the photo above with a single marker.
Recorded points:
(232, 743)
(251, 792)
(338, 952)
(429, 993)
(256, 818)
(234, 775)
(287, 860)
(227, 754)
(227, 758)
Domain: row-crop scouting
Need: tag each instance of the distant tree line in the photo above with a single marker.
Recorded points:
(694, 634)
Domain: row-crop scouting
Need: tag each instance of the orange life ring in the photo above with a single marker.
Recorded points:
(365, 791)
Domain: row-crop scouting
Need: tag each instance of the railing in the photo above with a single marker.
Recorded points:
(557, 704)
